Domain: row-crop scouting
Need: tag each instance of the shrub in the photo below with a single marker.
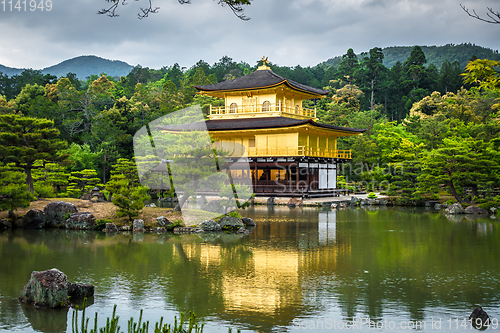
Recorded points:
(175, 224)
(392, 193)
(372, 195)
(66, 216)
(101, 224)
(234, 214)
(435, 196)
(43, 190)
(450, 202)
(488, 205)
(479, 200)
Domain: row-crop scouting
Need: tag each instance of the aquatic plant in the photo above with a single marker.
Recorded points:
(81, 326)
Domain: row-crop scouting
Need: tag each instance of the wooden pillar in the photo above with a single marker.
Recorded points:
(308, 147)
(297, 177)
(308, 177)
(256, 172)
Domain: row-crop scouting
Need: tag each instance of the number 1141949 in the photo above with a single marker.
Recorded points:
(26, 5)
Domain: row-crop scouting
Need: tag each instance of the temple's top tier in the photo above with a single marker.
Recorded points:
(262, 93)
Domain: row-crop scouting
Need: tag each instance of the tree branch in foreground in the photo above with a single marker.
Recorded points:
(494, 17)
(235, 5)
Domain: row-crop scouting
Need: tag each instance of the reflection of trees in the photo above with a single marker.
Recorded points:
(410, 263)
(280, 271)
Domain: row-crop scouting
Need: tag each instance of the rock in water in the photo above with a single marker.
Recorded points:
(56, 211)
(231, 223)
(34, 219)
(80, 221)
(292, 203)
(479, 318)
(270, 201)
(243, 231)
(163, 221)
(248, 222)
(5, 224)
(110, 227)
(46, 289)
(138, 225)
(475, 210)
(209, 225)
(456, 208)
(79, 290)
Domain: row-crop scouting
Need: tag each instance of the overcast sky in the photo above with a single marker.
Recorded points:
(289, 32)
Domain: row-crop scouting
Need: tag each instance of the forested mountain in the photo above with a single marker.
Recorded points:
(435, 55)
(10, 70)
(85, 66)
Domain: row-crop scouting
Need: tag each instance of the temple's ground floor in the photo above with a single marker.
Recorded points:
(304, 177)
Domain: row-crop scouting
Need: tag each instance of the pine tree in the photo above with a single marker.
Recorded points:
(13, 188)
(24, 140)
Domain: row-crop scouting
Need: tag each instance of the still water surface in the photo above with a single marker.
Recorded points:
(300, 268)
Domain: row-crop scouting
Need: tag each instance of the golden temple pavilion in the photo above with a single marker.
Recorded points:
(264, 124)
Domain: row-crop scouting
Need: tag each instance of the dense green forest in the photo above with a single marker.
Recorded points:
(435, 55)
(427, 130)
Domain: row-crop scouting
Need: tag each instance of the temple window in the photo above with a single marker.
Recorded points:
(233, 108)
(266, 106)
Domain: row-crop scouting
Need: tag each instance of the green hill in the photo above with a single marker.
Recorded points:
(10, 71)
(84, 66)
(434, 54)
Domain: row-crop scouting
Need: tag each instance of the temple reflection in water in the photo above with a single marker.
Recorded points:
(304, 263)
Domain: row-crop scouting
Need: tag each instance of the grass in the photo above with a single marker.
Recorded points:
(186, 324)
(105, 210)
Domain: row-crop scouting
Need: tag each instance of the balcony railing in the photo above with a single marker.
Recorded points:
(256, 109)
(296, 151)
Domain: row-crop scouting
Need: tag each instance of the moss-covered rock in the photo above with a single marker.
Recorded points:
(231, 223)
(80, 221)
(57, 212)
(46, 289)
(248, 222)
(209, 225)
(79, 290)
(34, 219)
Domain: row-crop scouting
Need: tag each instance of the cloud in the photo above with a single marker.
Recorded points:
(290, 32)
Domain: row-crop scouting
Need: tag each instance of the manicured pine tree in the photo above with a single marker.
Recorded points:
(81, 182)
(13, 188)
(126, 191)
(24, 140)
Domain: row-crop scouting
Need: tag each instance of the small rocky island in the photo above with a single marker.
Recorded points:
(51, 289)
(65, 215)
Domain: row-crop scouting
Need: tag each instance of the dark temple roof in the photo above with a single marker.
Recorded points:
(259, 79)
(252, 123)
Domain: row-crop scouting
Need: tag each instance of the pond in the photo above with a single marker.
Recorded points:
(305, 268)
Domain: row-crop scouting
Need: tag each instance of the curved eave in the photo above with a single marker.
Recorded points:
(285, 82)
(260, 124)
